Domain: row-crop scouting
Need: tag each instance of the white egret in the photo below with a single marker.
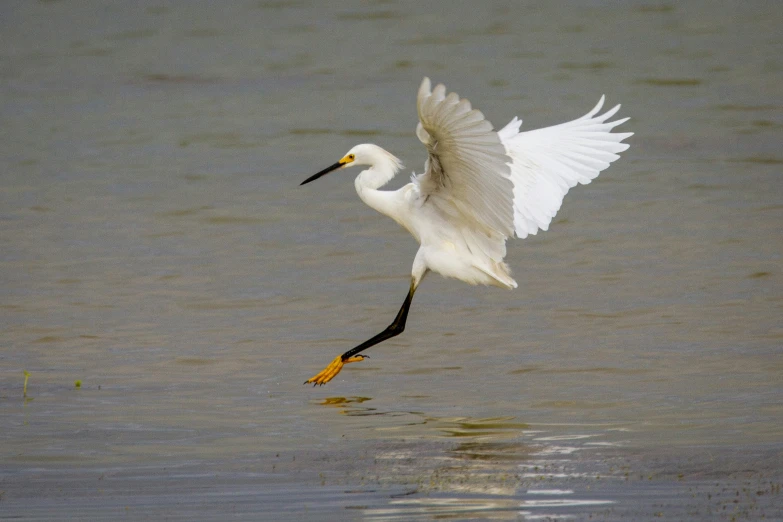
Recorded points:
(479, 187)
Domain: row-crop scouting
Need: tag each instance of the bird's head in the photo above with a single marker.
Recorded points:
(363, 154)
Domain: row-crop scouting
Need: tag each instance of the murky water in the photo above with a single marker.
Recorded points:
(155, 246)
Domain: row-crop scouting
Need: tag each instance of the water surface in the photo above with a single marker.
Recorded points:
(155, 245)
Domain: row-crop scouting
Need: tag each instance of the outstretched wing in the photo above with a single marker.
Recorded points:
(548, 162)
(467, 175)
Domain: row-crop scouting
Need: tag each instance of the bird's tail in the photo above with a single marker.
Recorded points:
(500, 275)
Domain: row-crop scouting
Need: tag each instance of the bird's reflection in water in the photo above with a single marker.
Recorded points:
(494, 468)
(349, 405)
(342, 401)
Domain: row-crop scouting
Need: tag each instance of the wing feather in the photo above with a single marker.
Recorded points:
(467, 172)
(547, 162)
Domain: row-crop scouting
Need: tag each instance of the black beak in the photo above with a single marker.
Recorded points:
(327, 170)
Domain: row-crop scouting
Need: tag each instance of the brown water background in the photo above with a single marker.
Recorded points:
(155, 246)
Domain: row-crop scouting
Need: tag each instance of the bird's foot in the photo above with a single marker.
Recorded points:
(328, 373)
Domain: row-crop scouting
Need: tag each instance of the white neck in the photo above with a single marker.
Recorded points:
(381, 171)
(383, 168)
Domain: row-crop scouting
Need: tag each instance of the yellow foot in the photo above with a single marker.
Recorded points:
(328, 373)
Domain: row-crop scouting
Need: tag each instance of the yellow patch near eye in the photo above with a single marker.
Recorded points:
(347, 159)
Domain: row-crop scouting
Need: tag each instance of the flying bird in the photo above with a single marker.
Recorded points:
(479, 188)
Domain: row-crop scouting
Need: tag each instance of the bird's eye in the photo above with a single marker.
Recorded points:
(351, 157)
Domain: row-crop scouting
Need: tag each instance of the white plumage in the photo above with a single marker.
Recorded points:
(547, 162)
(479, 187)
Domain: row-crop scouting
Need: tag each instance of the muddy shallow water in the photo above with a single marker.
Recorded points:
(155, 246)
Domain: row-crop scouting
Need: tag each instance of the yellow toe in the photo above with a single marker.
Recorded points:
(334, 367)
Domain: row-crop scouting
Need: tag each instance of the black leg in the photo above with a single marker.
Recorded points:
(394, 329)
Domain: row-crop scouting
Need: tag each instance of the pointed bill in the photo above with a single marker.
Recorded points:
(331, 168)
